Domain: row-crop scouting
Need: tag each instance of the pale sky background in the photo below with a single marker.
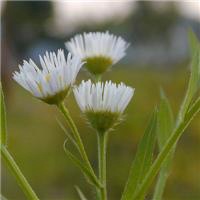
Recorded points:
(75, 12)
(70, 13)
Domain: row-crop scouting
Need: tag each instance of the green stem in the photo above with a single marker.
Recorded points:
(76, 135)
(102, 144)
(162, 178)
(167, 149)
(18, 174)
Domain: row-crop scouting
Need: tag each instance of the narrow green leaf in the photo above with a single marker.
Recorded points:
(82, 166)
(3, 139)
(173, 139)
(2, 197)
(186, 114)
(193, 41)
(67, 134)
(194, 108)
(194, 77)
(142, 160)
(80, 193)
(20, 178)
(165, 121)
(164, 129)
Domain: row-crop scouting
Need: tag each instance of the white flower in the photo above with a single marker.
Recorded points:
(99, 50)
(103, 103)
(108, 97)
(53, 80)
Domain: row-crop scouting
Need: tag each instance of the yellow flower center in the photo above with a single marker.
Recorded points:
(98, 64)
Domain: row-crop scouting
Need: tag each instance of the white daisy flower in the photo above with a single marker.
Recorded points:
(103, 103)
(99, 50)
(53, 80)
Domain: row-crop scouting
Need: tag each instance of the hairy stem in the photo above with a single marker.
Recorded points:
(76, 136)
(28, 191)
(102, 144)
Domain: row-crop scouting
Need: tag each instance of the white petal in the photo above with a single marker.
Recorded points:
(98, 44)
(55, 76)
(103, 96)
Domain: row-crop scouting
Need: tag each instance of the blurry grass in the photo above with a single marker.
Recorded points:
(35, 140)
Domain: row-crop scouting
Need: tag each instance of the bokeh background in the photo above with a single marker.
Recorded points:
(158, 56)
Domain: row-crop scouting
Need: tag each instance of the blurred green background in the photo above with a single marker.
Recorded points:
(158, 56)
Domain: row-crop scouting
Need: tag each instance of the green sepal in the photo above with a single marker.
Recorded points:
(57, 98)
(103, 121)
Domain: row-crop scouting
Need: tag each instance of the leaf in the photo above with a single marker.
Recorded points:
(82, 166)
(3, 139)
(164, 129)
(142, 159)
(173, 139)
(2, 197)
(194, 77)
(193, 41)
(165, 121)
(194, 109)
(165, 116)
(67, 134)
(16, 172)
(80, 193)
(187, 112)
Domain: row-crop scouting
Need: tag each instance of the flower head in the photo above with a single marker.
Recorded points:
(99, 50)
(52, 82)
(103, 103)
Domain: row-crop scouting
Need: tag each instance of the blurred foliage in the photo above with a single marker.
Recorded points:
(25, 12)
(25, 22)
(155, 21)
(36, 140)
(149, 21)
